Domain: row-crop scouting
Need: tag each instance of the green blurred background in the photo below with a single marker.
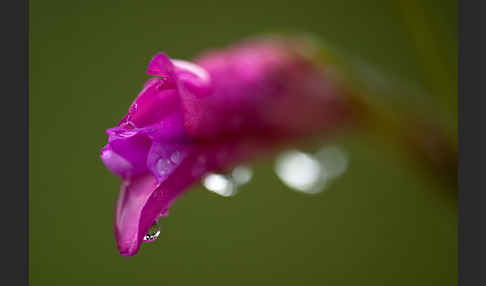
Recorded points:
(381, 223)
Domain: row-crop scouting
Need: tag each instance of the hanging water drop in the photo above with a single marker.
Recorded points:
(153, 233)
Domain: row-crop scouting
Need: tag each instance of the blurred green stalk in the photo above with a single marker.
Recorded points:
(396, 114)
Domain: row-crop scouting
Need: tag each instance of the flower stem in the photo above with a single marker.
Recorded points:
(397, 114)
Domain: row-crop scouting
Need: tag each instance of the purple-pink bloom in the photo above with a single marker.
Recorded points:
(220, 110)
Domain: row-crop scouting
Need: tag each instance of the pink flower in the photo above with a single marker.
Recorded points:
(193, 118)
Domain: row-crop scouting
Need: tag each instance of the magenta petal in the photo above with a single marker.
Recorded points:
(165, 157)
(161, 65)
(260, 89)
(126, 152)
(131, 199)
(192, 78)
(115, 163)
(170, 129)
(195, 118)
(143, 200)
(156, 101)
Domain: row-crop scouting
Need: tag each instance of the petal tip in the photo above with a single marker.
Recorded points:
(160, 65)
(128, 251)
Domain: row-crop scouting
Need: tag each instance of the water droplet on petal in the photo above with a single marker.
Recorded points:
(176, 157)
(128, 125)
(153, 233)
(133, 108)
(163, 166)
